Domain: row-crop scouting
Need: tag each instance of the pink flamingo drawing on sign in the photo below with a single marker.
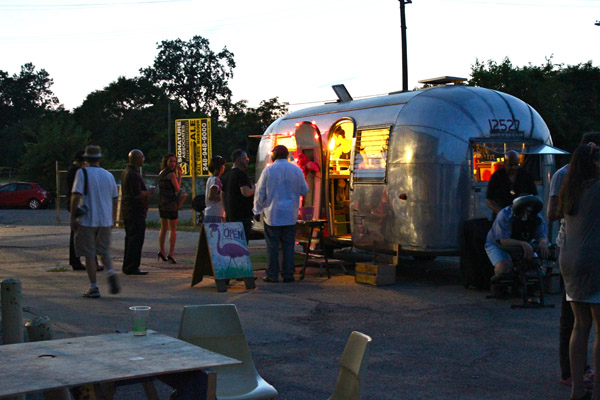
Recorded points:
(231, 250)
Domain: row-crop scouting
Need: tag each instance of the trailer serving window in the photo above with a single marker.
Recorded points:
(370, 155)
(488, 157)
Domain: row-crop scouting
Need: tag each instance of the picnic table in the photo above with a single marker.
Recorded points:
(110, 360)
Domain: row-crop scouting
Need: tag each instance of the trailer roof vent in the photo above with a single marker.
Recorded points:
(443, 80)
(342, 93)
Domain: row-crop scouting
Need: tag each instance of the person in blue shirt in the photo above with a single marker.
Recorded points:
(517, 225)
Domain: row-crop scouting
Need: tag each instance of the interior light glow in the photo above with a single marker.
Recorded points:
(316, 136)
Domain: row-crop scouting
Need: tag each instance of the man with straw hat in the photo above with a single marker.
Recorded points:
(94, 209)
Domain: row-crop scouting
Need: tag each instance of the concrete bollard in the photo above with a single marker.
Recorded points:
(12, 311)
(39, 328)
(12, 315)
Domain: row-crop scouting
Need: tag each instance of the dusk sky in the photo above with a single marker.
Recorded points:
(293, 50)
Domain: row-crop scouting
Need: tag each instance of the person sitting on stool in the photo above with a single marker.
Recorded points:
(516, 225)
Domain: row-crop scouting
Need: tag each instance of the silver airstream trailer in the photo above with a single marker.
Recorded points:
(405, 171)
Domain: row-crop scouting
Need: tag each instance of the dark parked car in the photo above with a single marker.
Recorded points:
(24, 194)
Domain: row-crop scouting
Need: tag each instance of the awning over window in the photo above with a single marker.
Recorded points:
(544, 149)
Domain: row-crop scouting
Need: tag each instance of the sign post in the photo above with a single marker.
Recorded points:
(193, 149)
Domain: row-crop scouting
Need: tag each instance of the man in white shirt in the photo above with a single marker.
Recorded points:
(277, 198)
(95, 190)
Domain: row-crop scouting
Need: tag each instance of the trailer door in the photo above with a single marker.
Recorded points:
(338, 178)
(309, 157)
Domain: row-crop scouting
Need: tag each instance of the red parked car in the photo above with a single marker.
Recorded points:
(24, 194)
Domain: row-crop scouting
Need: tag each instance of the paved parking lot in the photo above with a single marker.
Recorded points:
(432, 338)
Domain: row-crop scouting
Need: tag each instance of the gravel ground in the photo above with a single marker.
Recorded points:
(432, 338)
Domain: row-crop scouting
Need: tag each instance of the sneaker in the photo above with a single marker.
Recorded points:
(93, 293)
(113, 283)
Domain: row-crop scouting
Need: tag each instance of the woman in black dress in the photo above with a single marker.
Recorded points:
(170, 200)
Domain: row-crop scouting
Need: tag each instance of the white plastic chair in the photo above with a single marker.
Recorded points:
(353, 367)
(217, 327)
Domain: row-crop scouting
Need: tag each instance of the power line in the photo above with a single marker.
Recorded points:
(89, 5)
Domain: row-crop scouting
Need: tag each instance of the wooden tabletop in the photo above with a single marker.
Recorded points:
(312, 222)
(39, 366)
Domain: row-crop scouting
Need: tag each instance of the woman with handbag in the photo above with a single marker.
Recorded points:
(170, 200)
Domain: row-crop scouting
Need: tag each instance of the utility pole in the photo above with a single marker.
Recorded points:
(404, 55)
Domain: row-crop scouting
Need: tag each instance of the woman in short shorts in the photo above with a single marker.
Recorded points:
(170, 200)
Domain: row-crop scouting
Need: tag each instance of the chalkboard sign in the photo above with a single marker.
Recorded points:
(223, 253)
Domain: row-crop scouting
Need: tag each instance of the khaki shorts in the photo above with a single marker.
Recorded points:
(92, 240)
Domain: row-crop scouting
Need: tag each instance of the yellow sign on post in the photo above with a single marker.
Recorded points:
(182, 146)
(193, 147)
(200, 141)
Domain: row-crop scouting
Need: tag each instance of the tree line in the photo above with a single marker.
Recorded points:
(187, 77)
(193, 81)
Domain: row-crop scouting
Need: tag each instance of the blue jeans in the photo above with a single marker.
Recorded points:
(286, 235)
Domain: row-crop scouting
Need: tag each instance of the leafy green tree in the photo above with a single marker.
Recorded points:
(55, 137)
(24, 98)
(13, 142)
(194, 75)
(26, 95)
(127, 114)
(243, 121)
(582, 101)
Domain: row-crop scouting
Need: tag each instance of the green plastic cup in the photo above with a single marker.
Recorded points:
(140, 316)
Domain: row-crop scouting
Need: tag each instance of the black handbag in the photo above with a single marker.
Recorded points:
(83, 209)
